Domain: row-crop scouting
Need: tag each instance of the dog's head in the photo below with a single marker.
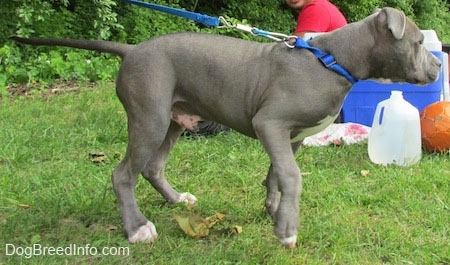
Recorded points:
(398, 50)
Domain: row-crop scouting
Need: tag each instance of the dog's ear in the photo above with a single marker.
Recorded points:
(394, 19)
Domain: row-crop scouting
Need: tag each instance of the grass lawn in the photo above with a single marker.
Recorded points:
(53, 195)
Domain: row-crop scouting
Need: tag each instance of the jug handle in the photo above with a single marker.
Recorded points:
(379, 115)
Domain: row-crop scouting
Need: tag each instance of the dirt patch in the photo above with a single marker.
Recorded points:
(58, 87)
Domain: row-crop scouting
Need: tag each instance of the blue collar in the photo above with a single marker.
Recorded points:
(327, 59)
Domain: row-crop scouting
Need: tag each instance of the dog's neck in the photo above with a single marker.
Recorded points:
(342, 46)
(326, 58)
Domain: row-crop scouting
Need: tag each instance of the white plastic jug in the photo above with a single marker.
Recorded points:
(395, 135)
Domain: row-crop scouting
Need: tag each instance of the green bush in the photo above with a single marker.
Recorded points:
(432, 14)
(119, 21)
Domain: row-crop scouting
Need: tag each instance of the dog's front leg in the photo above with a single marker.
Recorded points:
(273, 193)
(286, 174)
(271, 183)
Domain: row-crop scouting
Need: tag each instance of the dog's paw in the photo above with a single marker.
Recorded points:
(146, 233)
(272, 207)
(187, 198)
(289, 242)
(272, 203)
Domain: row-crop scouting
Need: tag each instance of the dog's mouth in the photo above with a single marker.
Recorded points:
(434, 76)
(384, 80)
(415, 80)
(428, 78)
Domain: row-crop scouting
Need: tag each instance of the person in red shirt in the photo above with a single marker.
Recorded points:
(316, 16)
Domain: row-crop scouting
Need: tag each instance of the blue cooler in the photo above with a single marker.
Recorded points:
(361, 102)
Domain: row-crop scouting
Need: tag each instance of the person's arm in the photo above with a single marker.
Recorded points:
(311, 19)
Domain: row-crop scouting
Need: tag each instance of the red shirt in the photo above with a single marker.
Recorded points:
(320, 16)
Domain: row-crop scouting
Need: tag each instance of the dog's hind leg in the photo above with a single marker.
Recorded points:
(146, 134)
(154, 170)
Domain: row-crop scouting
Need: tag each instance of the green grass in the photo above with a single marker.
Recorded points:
(53, 195)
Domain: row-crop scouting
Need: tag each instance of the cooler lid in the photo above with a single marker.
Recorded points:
(431, 41)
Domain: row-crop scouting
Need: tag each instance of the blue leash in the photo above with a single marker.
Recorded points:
(327, 59)
(199, 18)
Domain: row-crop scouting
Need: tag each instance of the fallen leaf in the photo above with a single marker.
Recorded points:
(236, 229)
(365, 173)
(117, 155)
(24, 206)
(212, 220)
(193, 225)
(98, 157)
(111, 227)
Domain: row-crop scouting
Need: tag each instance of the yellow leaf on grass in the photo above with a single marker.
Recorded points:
(111, 227)
(212, 220)
(98, 158)
(237, 229)
(365, 173)
(196, 226)
(193, 225)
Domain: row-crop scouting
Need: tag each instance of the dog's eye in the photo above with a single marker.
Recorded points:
(421, 39)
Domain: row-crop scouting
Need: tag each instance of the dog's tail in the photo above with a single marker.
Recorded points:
(93, 45)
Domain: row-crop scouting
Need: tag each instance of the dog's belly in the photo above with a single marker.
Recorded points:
(321, 125)
(185, 120)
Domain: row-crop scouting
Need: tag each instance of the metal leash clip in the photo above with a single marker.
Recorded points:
(258, 32)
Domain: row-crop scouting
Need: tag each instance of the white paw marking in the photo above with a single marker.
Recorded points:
(146, 233)
(187, 198)
(289, 242)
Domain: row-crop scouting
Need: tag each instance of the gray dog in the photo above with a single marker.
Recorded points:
(272, 92)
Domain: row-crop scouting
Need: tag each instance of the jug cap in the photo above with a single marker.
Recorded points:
(396, 94)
